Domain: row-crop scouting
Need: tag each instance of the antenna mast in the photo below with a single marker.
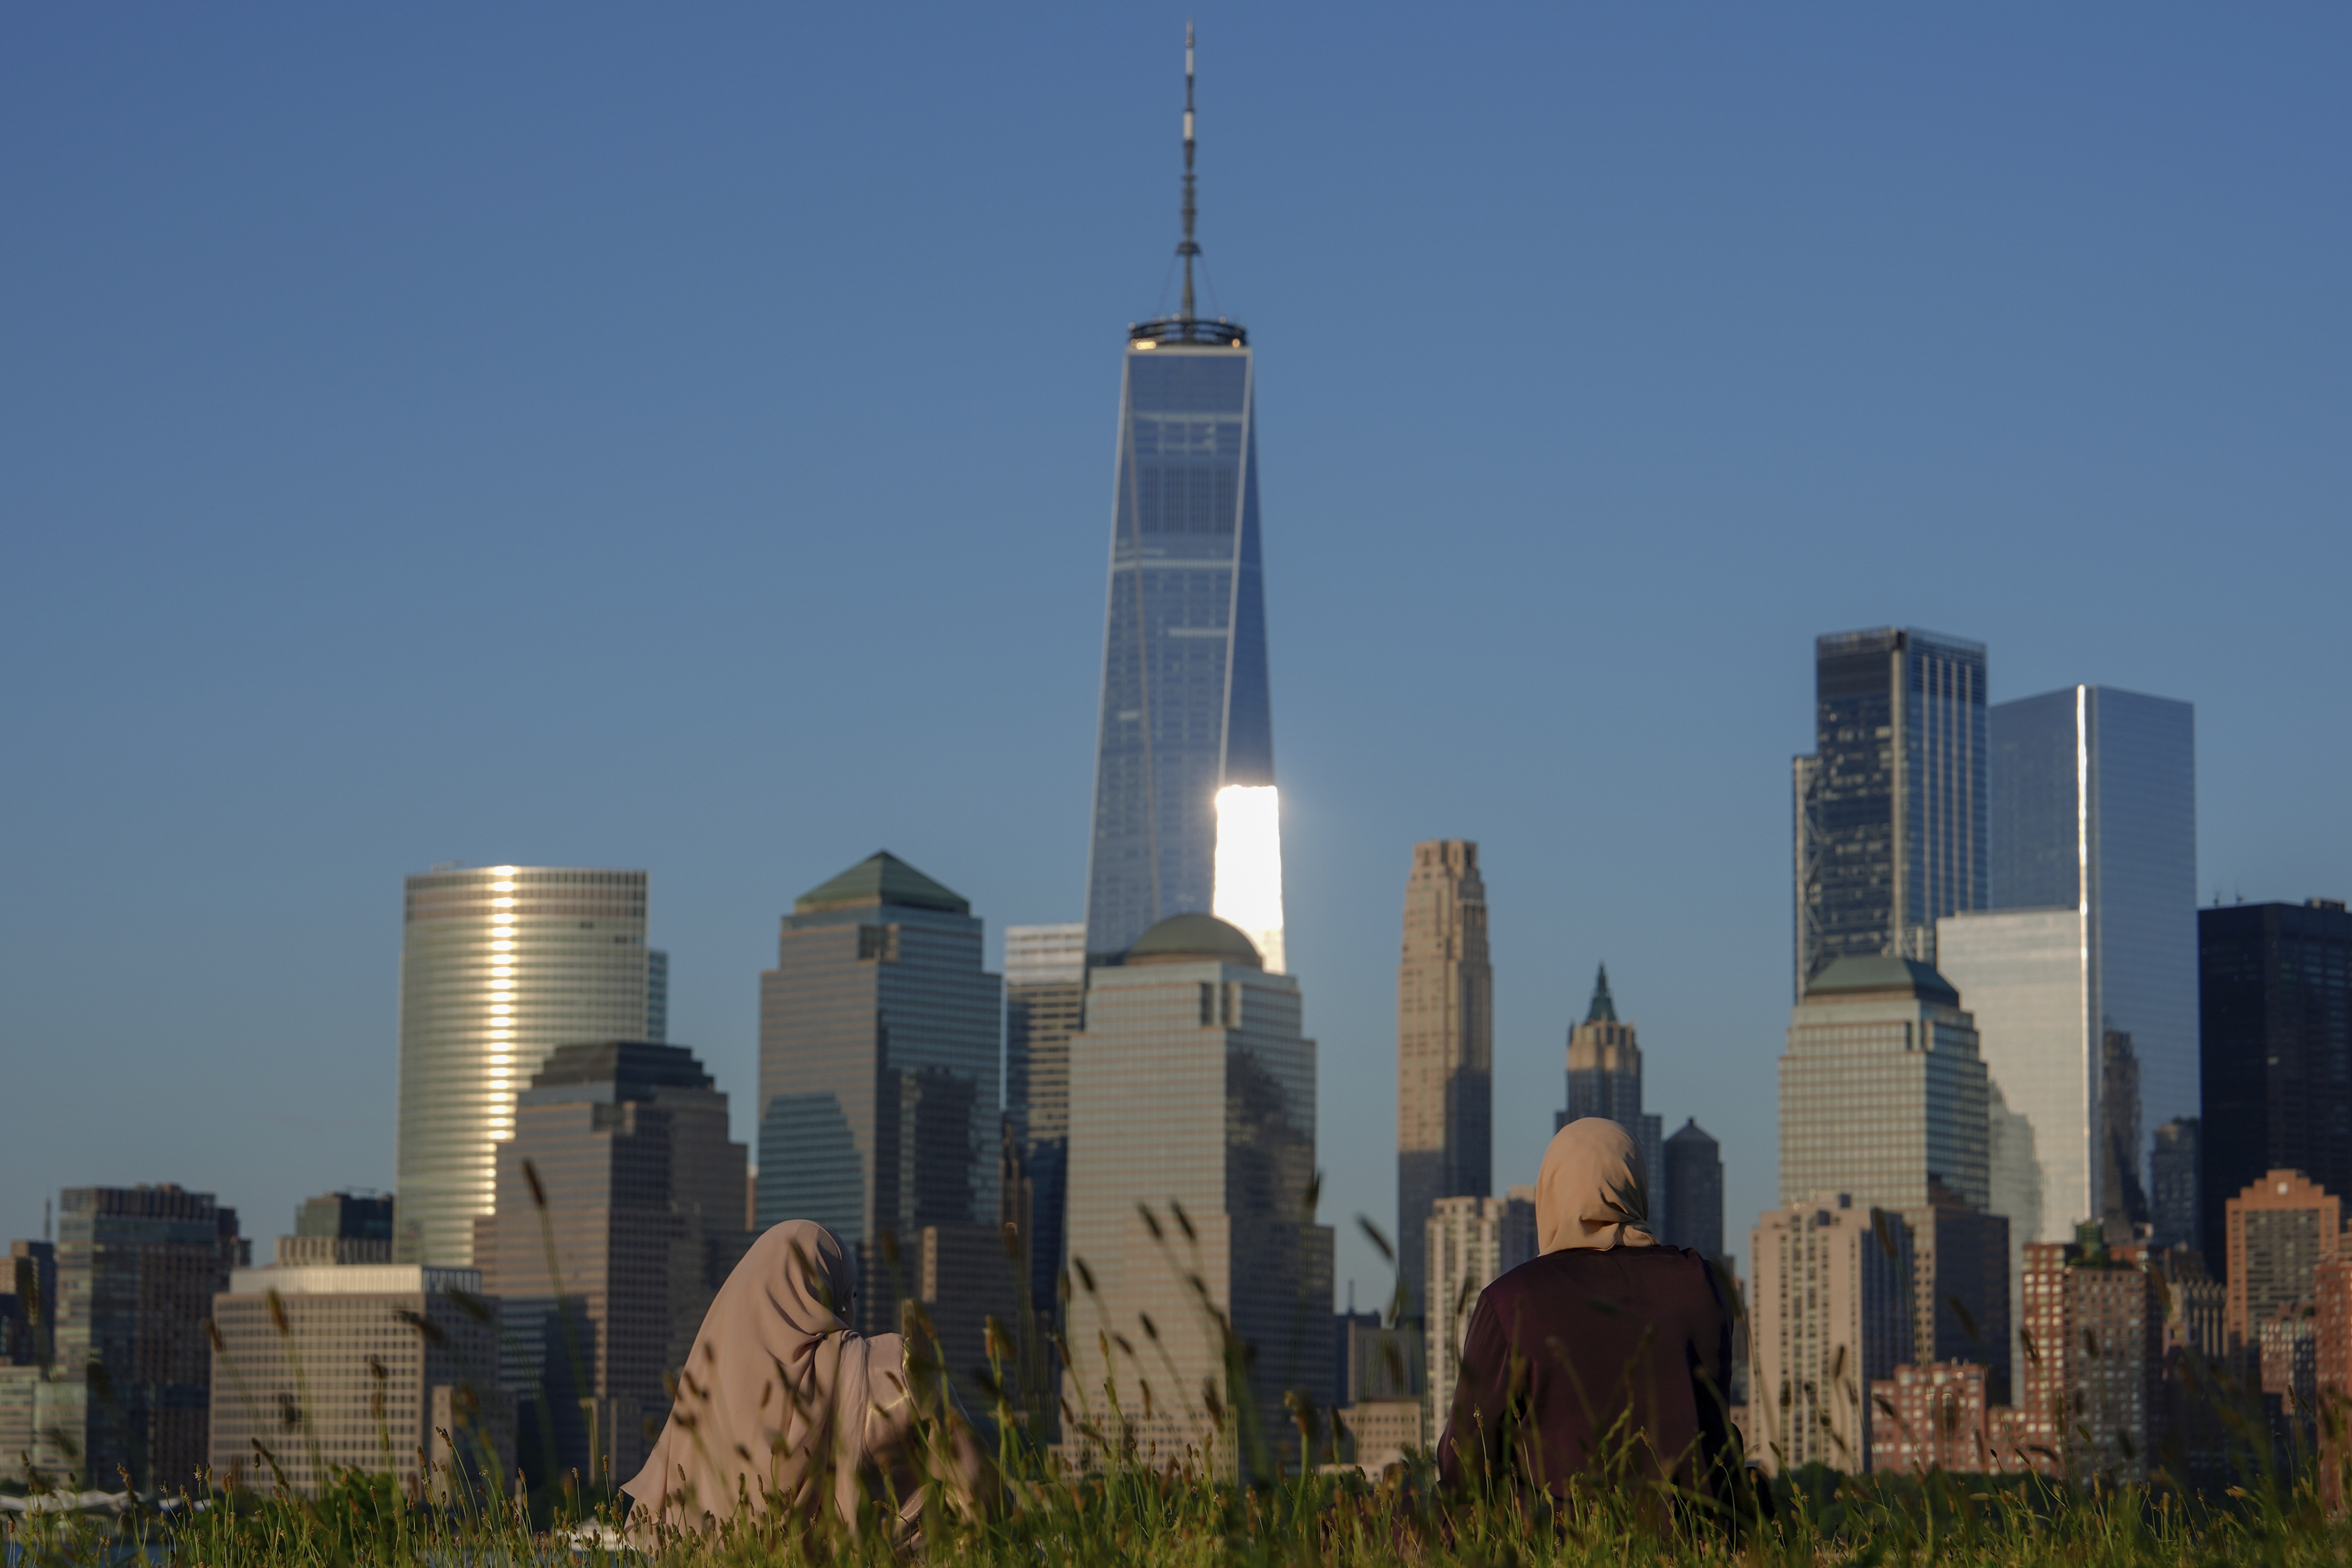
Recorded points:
(1188, 250)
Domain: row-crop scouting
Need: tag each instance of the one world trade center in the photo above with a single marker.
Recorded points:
(1186, 817)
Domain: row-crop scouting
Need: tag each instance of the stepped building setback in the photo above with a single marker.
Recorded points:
(878, 1076)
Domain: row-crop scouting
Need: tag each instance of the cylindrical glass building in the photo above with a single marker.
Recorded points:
(500, 966)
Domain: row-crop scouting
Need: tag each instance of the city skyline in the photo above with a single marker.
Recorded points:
(319, 508)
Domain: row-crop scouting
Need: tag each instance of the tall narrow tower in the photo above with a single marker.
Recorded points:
(1445, 1048)
(1891, 803)
(1186, 811)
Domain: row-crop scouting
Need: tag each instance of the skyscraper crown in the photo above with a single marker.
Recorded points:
(1604, 1007)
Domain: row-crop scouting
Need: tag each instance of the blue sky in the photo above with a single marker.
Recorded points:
(600, 435)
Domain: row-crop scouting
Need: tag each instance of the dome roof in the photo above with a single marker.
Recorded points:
(1195, 937)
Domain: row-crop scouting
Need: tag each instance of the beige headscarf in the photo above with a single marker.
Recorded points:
(780, 1401)
(1592, 1192)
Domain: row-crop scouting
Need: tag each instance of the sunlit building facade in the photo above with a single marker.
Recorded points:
(1193, 1158)
(2094, 847)
(1882, 1093)
(500, 966)
(380, 1368)
(1604, 1080)
(1445, 1049)
(1830, 1314)
(1186, 711)
(1469, 1243)
(1891, 824)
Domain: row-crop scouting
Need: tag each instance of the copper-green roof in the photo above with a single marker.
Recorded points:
(1853, 977)
(882, 878)
(1604, 1006)
(1181, 937)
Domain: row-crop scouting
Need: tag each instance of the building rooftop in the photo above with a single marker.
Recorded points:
(1856, 976)
(1194, 936)
(883, 878)
(633, 1068)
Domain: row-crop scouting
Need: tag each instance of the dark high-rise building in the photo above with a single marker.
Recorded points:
(1692, 1201)
(644, 1197)
(878, 1036)
(28, 1308)
(2274, 1050)
(1959, 1286)
(1445, 1049)
(1891, 830)
(339, 1227)
(137, 1270)
(1186, 712)
(2173, 1160)
(1604, 1080)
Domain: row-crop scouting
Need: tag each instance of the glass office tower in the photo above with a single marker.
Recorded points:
(878, 1038)
(1891, 805)
(499, 965)
(2276, 982)
(1185, 709)
(2082, 974)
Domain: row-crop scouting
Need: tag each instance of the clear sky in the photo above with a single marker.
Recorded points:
(681, 437)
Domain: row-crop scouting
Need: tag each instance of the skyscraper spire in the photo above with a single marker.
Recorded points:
(1187, 249)
(1604, 1006)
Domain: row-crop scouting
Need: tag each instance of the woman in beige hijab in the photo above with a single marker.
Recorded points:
(785, 1409)
(1608, 1350)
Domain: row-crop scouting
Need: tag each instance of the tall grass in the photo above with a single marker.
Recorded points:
(1041, 1508)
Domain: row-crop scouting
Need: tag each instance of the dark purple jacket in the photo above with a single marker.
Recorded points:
(1564, 1348)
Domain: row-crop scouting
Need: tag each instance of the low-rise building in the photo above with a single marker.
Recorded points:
(1933, 1418)
(379, 1366)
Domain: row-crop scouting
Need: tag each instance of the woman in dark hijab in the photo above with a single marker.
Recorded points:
(1605, 1350)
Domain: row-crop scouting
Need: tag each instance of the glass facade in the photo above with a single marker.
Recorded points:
(1044, 1005)
(137, 1272)
(1445, 1049)
(879, 1033)
(1193, 1095)
(2020, 973)
(1890, 824)
(2095, 810)
(499, 965)
(1186, 704)
(2275, 1049)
